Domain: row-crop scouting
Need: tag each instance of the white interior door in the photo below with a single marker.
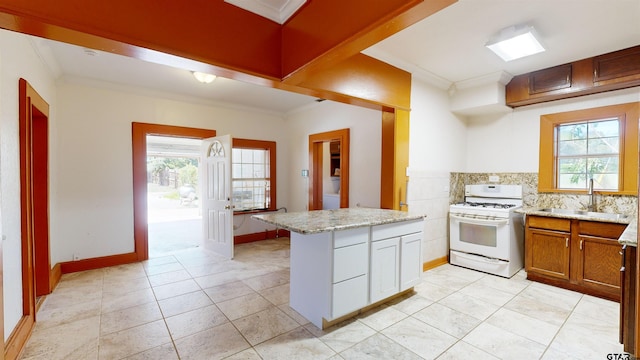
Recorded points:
(217, 206)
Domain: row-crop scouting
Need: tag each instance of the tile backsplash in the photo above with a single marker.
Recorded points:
(622, 204)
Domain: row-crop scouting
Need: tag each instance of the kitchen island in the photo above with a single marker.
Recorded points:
(345, 260)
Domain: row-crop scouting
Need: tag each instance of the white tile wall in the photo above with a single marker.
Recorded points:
(429, 195)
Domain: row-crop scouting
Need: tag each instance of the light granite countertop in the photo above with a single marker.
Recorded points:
(630, 234)
(590, 216)
(628, 237)
(317, 221)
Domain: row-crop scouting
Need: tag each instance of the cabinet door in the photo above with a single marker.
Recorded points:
(628, 299)
(410, 263)
(599, 266)
(385, 279)
(547, 253)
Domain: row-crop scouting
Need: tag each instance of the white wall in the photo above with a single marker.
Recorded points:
(92, 196)
(365, 154)
(509, 142)
(437, 147)
(438, 137)
(17, 60)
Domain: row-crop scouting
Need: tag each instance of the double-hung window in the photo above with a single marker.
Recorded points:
(599, 144)
(588, 150)
(253, 175)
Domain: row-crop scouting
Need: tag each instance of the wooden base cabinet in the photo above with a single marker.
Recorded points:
(599, 264)
(575, 254)
(547, 247)
(628, 300)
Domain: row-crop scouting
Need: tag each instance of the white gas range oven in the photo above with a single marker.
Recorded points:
(485, 233)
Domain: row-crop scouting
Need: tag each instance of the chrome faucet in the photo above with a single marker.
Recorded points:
(592, 196)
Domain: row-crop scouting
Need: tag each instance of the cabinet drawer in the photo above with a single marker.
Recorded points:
(350, 237)
(604, 230)
(550, 223)
(350, 261)
(387, 231)
(349, 295)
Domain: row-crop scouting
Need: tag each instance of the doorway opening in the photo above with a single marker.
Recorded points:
(139, 133)
(37, 275)
(174, 215)
(329, 165)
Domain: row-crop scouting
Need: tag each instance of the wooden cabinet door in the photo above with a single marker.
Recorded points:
(547, 253)
(385, 269)
(599, 264)
(628, 299)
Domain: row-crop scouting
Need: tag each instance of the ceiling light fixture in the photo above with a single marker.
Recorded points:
(90, 52)
(515, 42)
(204, 77)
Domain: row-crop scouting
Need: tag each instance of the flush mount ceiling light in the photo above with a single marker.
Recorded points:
(515, 42)
(90, 52)
(204, 77)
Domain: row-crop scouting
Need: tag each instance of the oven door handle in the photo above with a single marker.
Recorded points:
(480, 221)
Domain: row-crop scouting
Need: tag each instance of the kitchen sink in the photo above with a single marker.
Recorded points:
(586, 213)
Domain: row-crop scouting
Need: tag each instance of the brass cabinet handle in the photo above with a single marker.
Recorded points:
(566, 242)
(581, 244)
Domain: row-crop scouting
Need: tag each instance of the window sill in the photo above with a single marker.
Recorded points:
(584, 192)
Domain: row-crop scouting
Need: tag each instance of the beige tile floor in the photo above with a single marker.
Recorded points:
(195, 305)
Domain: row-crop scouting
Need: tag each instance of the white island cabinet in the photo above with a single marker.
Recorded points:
(395, 258)
(345, 260)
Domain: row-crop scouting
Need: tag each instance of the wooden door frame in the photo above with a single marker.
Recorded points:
(395, 159)
(139, 132)
(315, 166)
(33, 115)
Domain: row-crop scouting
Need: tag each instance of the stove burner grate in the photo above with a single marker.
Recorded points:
(488, 205)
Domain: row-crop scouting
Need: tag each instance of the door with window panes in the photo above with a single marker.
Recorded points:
(217, 204)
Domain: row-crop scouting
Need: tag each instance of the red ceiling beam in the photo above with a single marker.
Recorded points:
(363, 77)
(233, 43)
(326, 32)
(210, 31)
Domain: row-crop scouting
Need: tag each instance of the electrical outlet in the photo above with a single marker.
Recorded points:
(76, 257)
(494, 178)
